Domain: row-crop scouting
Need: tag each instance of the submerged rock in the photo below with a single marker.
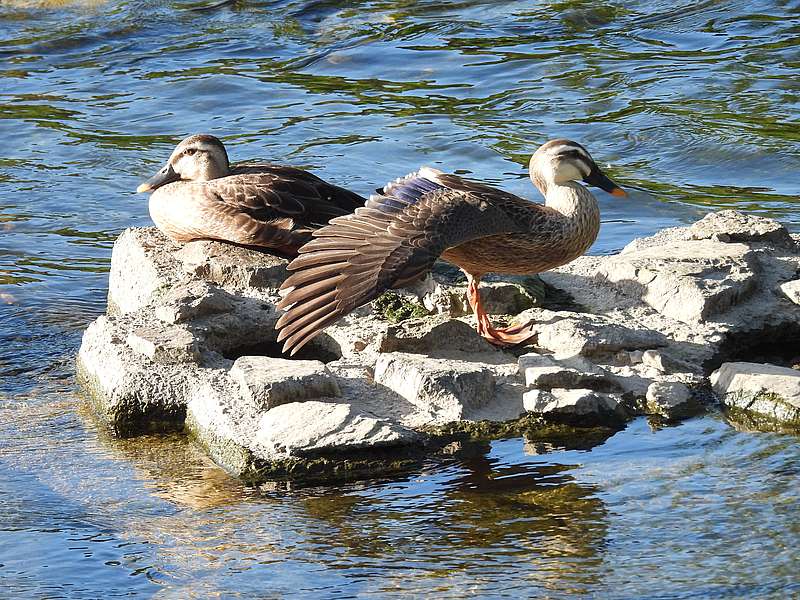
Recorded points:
(189, 342)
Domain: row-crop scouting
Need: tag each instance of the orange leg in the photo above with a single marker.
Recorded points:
(508, 336)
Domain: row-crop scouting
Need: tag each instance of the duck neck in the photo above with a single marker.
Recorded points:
(570, 199)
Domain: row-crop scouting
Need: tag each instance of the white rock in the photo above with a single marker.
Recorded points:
(142, 266)
(671, 400)
(188, 301)
(593, 336)
(688, 281)
(311, 427)
(768, 390)
(735, 226)
(544, 372)
(165, 344)
(232, 266)
(438, 333)
(130, 392)
(534, 360)
(181, 311)
(449, 389)
(791, 289)
(505, 297)
(269, 382)
(246, 440)
(664, 362)
(576, 407)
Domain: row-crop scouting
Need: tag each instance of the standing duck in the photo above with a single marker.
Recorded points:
(395, 239)
(199, 195)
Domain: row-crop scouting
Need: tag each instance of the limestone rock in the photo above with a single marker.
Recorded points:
(311, 427)
(791, 289)
(255, 444)
(193, 299)
(448, 389)
(687, 281)
(735, 226)
(269, 382)
(165, 345)
(142, 266)
(506, 297)
(543, 372)
(593, 335)
(665, 362)
(232, 266)
(130, 392)
(446, 299)
(671, 400)
(629, 358)
(250, 324)
(585, 408)
(509, 295)
(192, 329)
(438, 333)
(770, 391)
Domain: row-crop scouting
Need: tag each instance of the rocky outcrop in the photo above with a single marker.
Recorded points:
(189, 343)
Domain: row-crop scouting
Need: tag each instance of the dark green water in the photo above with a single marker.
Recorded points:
(691, 105)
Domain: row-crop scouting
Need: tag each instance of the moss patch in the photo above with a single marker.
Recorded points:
(395, 308)
(765, 411)
(533, 428)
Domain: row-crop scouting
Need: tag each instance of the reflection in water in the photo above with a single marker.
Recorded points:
(695, 106)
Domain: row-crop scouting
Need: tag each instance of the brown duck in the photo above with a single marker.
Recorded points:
(395, 239)
(199, 195)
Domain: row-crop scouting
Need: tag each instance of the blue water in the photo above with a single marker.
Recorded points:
(691, 106)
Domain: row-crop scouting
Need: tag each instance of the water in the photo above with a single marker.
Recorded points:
(690, 105)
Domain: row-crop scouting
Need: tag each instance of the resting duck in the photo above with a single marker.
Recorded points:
(199, 195)
(395, 239)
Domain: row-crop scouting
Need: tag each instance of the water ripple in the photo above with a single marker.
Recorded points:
(692, 106)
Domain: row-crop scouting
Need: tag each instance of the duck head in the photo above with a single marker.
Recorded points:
(197, 158)
(560, 161)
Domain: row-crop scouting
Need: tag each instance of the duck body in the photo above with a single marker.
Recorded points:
(395, 239)
(550, 237)
(198, 195)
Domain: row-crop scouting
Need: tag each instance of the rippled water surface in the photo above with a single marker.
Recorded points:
(691, 105)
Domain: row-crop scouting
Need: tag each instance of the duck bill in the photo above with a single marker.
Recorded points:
(598, 179)
(163, 177)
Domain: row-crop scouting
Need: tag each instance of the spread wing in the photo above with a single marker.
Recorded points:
(269, 192)
(388, 243)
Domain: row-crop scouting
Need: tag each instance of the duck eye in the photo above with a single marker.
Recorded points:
(190, 151)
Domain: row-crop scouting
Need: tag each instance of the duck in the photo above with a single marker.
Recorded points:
(199, 195)
(397, 236)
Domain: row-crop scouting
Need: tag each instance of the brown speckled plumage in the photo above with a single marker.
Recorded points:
(398, 235)
(197, 195)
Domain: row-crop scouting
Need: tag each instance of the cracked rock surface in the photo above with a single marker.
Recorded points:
(189, 343)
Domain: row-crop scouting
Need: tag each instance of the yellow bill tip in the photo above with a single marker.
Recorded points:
(144, 187)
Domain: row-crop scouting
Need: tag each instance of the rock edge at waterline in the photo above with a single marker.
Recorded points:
(189, 342)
